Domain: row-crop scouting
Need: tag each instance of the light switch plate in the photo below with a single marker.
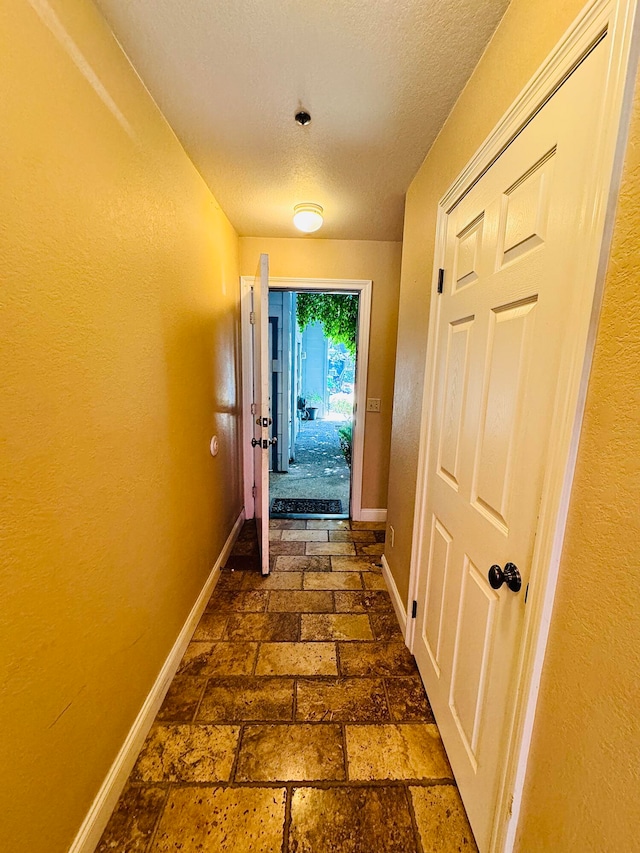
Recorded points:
(373, 404)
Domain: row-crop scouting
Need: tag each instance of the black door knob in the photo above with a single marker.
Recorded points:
(509, 575)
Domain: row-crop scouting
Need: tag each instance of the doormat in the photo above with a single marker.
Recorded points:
(287, 506)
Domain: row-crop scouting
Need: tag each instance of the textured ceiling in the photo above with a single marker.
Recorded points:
(379, 78)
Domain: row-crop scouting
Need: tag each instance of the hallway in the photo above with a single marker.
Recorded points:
(297, 721)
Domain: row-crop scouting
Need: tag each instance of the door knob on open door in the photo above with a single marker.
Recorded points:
(263, 443)
(509, 575)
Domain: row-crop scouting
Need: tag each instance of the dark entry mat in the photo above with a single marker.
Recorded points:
(287, 506)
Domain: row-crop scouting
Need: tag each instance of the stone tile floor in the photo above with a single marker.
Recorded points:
(297, 721)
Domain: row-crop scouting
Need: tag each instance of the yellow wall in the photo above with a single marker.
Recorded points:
(313, 258)
(582, 788)
(118, 346)
(583, 784)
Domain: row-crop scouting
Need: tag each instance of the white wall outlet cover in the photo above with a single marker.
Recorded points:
(214, 446)
(373, 404)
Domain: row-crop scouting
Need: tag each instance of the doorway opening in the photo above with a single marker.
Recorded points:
(313, 351)
(259, 432)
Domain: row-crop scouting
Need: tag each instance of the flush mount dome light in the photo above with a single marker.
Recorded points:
(307, 217)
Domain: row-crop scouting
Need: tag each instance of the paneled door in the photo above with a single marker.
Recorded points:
(261, 409)
(511, 281)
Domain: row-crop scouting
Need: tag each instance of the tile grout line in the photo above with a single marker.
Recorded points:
(227, 618)
(156, 826)
(320, 677)
(234, 767)
(392, 719)
(287, 817)
(295, 700)
(338, 660)
(194, 717)
(255, 659)
(414, 820)
(373, 637)
(321, 784)
(270, 721)
(343, 732)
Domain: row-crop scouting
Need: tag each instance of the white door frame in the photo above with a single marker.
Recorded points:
(616, 19)
(364, 288)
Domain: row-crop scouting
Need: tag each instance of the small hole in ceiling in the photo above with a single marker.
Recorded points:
(303, 118)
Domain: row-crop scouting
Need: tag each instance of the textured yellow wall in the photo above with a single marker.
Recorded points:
(583, 785)
(379, 261)
(526, 34)
(118, 346)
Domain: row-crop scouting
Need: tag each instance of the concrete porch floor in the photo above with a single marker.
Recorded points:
(320, 470)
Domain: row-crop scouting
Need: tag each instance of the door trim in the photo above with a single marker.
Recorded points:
(364, 288)
(616, 20)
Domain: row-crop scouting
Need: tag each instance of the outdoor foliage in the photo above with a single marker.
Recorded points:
(344, 434)
(341, 404)
(337, 312)
(341, 374)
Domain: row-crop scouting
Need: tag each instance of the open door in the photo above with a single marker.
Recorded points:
(260, 413)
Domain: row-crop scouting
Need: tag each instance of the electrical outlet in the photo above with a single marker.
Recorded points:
(373, 404)
(392, 535)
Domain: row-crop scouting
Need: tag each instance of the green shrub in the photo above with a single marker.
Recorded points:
(341, 404)
(345, 436)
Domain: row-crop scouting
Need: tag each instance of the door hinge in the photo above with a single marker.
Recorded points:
(414, 609)
(440, 280)
(253, 491)
(252, 318)
(254, 409)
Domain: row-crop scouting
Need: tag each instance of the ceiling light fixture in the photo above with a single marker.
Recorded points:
(308, 217)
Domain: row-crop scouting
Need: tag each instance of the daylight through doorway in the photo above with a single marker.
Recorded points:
(312, 345)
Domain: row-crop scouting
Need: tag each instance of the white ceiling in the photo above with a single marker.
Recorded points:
(378, 77)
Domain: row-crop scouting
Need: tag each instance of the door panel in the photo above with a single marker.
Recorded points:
(526, 210)
(509, 343)
(471, 654)
(510, 259)
(436, 585)
(468, 252)
(457, 364)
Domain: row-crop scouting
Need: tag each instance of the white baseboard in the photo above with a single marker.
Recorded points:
(398, 606)
(371, 515)
(98, 815)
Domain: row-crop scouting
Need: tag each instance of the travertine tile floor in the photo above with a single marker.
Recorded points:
(297, 721)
